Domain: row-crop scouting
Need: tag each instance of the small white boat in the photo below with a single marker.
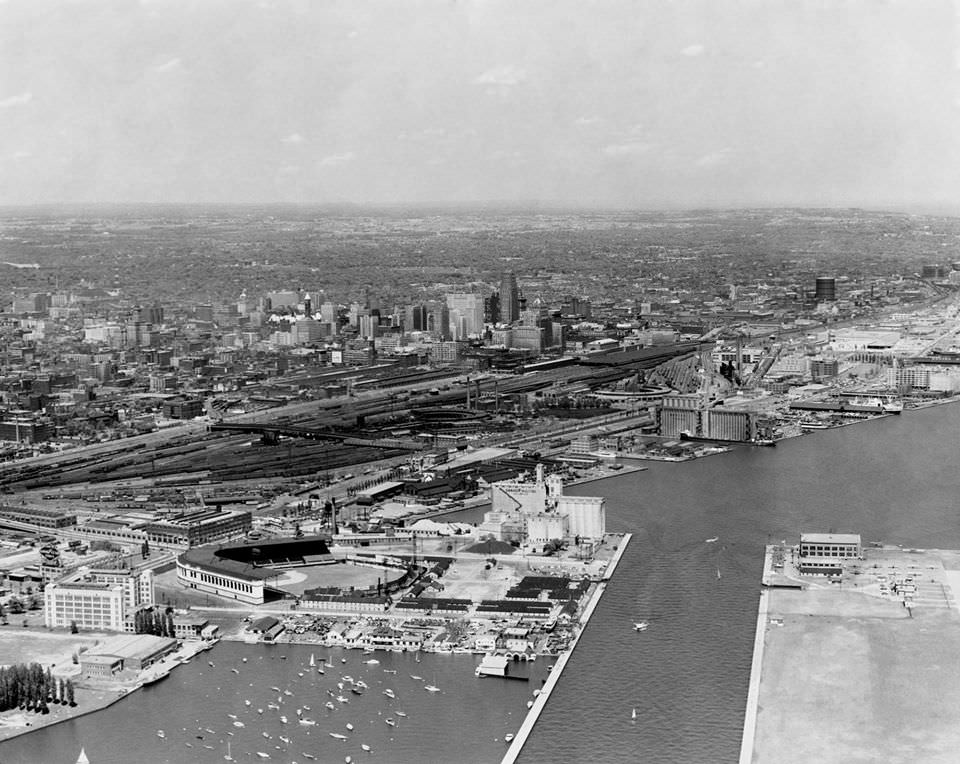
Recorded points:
(313, 661)
(232, 716)
(633, 714)
(287, 692)
(529, 704)
(283, 719)
(711, 541)
(275, 689)
(418, 678)
(263, 755)
(341, 699)
(266, 735)
(82, 758)
(307, 722)
(246, 702)
(431, 688)
(235, 671)
(641, 626)
(401, 713)
(508, 737)
(244, 660)
(349, 726)
(237, 724)
(337, 735)
(365, 747)
(389, 693)
(330, 705)
(343, 660)
(389, 671)
(308, 755)
(228, 756)
(285, 739)
(372, 662)
(161, 733)
(391, 722)
(299, 673)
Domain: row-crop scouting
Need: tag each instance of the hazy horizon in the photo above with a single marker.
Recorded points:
(571, 104)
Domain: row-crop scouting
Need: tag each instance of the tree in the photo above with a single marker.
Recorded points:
(70, 699)
(74, 630)
(15, 606)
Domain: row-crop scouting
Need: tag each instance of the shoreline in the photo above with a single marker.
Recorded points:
(753, 693)
(526, 727)
(109, 697)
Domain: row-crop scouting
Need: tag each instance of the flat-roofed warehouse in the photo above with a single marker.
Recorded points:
(132, 652)
(39, 516)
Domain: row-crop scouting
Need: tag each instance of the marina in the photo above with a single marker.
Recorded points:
(702, 628)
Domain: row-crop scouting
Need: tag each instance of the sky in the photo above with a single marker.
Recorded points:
(615, 103)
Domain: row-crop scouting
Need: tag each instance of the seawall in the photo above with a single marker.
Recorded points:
(513, 752)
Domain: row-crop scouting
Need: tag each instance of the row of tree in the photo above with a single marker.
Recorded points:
(154, 621)
(30, 688)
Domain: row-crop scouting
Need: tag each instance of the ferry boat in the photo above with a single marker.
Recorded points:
(641, 626)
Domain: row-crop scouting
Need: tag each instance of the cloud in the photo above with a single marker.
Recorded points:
(335, 159)
(633, 148)
(714, 158)
(586, 120)
(169, 66)
(692, 50)
(505, 76)
(16, 100)
(293, 138)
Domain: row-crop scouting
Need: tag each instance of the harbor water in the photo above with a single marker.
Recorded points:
(692, 571)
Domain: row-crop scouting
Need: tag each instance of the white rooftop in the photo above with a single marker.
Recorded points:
(829, 538)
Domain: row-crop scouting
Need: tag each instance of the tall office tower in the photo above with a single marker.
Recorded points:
(307, 306)
(509, 298)
(826, 289)
(416, 318)
(491, 308)
(328, 314)
(468, 307)
(438, 322)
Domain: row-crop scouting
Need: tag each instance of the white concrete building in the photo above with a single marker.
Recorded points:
(97, 599)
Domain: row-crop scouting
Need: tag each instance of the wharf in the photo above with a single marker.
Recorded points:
(541, 701)
(862, 669)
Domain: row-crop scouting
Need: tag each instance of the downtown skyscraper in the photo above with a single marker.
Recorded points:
(509, 298)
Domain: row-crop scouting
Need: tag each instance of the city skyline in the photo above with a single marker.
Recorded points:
(574, 104)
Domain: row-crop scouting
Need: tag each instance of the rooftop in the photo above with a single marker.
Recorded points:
(829, 538)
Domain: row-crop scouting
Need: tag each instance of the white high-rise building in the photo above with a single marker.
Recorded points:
(466, 314)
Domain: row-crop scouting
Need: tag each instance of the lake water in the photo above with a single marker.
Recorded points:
(894, 479)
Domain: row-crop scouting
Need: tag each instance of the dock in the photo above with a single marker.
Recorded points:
(540, 702)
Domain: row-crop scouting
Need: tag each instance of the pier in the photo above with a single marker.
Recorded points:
(513, 752)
